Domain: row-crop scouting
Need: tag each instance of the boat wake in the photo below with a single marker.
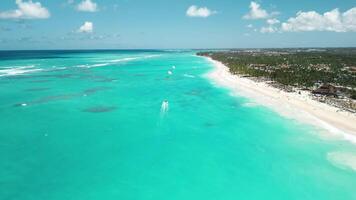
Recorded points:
(164, 107)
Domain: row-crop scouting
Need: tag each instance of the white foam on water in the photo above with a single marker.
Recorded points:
(343, 160)
(82, 66)
(59, 67)
(123, 59)
(169, 72)
(108, 62)
(250, 104)
(188, 76)
(164, 107)
(151, 56)
(94, 65)
(98, 65)
(132, 58)
(19, 70)
(20, 67)
(335, 131)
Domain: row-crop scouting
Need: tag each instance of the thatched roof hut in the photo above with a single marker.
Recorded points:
(326, 89)
(353, 69)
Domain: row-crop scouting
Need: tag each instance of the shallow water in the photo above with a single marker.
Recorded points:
(89, 125)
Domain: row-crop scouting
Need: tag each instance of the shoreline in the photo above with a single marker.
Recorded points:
(300, 107)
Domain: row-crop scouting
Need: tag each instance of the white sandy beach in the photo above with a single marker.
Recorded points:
(300, 107)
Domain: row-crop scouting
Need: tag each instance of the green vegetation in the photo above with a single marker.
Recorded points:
(353, 94)
(295, 67)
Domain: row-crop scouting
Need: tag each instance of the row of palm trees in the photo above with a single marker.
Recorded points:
(303, 70)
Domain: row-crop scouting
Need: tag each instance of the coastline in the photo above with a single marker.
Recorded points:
(301, 107)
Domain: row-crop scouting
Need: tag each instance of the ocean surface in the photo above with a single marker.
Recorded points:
(142, 125)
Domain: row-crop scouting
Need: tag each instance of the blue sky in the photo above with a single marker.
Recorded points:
(99, 24)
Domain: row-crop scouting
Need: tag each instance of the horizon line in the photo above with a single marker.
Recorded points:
(177, 49)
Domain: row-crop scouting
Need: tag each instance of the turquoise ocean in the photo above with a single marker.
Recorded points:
(142, 125)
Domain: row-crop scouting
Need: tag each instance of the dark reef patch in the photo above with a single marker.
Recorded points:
(97, 78)
(106, 80)
(57, 98)
(61, 97)
(94, 90)
(40, 81)
(37, 89)
(139, 75)
(50, 99)
(100, 109)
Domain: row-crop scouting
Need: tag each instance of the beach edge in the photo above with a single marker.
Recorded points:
(292, 105)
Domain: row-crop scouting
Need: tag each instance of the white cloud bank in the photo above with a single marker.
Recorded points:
(329, 21)
(194, 11)
(87, 6)
(272, 21)
(256, 12)
(269, 29)
(26, 10)
(87, 27)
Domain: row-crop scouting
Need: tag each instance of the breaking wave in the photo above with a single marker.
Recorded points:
(250, 104)
(19, 70)
(108, 62)
(132, 58)
(343, 160)
(188, 76)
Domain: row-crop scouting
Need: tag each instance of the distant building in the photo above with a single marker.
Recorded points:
(326, 89)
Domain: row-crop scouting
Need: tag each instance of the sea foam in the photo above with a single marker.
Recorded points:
(108, 62)
(188, 76)
(13, 71)
(344, 160)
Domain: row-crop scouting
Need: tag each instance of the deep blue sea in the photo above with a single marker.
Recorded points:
(148, 125)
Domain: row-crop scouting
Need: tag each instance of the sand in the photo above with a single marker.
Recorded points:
(301, 107)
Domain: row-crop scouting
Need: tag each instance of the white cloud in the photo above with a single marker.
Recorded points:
(349, 19)
(87, 27)
(26, 10)
(271, 26)
(194, 11)
(250, 26)
(272, 21)
(268, 29)
(87, 6)
(256, 12)
(329, 21)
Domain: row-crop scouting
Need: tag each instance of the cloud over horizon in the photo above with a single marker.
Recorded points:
(304, 21)
(256, 12)
(194, 11)
(26, 10)
(87, 27)
(206, 24)
(332, 21)
(87, 6)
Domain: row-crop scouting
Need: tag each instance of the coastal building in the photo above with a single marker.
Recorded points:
(326, 89)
